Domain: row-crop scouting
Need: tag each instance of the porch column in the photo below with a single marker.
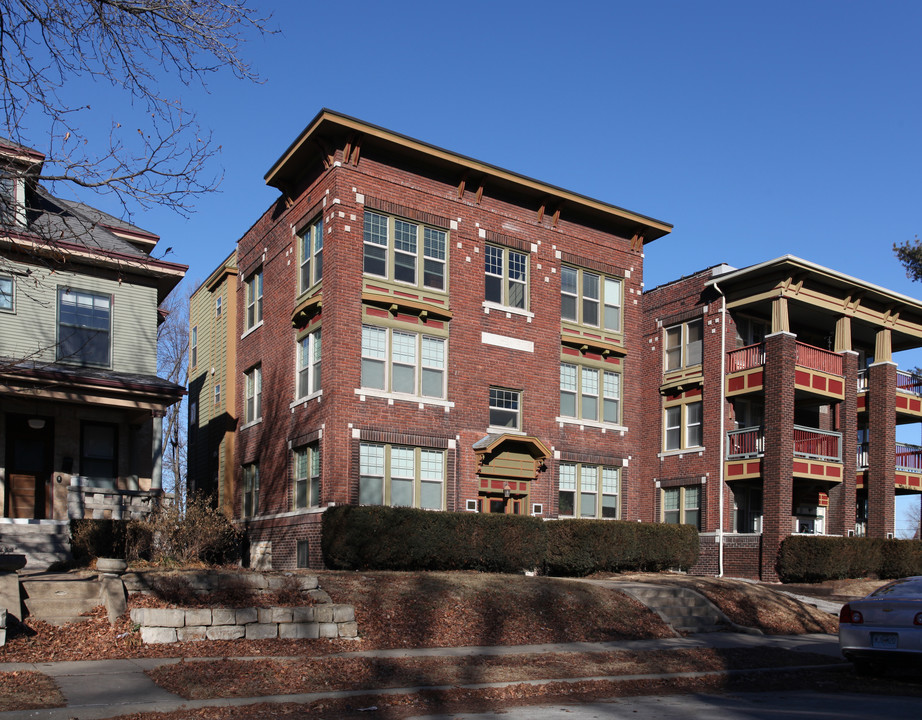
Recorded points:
(881, 444)
(778, 458)
(156, 473)
(780, 322)
(843, 341)
(882, 348)
(841, 514)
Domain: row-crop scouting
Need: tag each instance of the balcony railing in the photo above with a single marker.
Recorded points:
(817, 444)
(908, 458)
(862, 456)
(808, 356)
(862, 381)
(746, 358)
(808, 443)
(816, 358)
(908, 382)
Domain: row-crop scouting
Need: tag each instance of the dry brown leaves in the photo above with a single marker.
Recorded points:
(28, 691)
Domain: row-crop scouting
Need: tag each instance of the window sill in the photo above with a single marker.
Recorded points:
(371, 392)
(252, 329)
(257, 421)
(497, 430)
(614, 427)
(306, 399)
(679, 453)
(580, 517)
(488, 306)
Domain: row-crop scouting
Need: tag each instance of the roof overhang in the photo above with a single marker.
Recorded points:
(330, 130)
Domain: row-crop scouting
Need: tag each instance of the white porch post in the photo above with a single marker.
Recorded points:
(156, 474)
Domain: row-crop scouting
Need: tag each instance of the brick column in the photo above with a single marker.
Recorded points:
(881, 447)
(840, 517)
(778, 459)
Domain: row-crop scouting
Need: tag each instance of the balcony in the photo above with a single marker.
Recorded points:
(908, 476)
(817, 371)
(817, 453)
(908, 398)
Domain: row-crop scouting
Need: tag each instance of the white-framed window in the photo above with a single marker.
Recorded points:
(682, 426)
(590, 298)
(308, 364)
(218, 306)
(6, 294)
(217, 397)
(254, 299)
(401, 476)
(403, 362)
(505, 408)
(404, 251)
(252, 410)
(311, 252)
(506, 277)
(589, 393)
(682, 505)
(588, 491)
(193, 347)
(84, 327)
(683, 345)
(250, 489)
(306, 491)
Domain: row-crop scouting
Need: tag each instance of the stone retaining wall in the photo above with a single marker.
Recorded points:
(286, 623)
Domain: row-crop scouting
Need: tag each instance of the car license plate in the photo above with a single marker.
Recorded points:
(884, 641)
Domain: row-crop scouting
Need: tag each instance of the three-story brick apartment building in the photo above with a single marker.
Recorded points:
(418, 328)
(773, 400)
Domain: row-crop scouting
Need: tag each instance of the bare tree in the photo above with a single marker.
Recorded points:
(158, 157)
(173, 364)
(913, 518)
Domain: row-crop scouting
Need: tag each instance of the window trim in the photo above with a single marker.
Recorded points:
(518, 394)
(12, 294)
(681, 510)
(418, 479)
(249, 490)
(388, 363)
(598, 490)
(310, 239)
(581, 365)
(217, 397)
(683, 404)
(421, 258)
(314, 365)
(505, 280)
(75, 358)
(218, 306)
(193, 347)
(601, 302)
(310, 479)
(253, 301)
(252, 382)
(683, 345)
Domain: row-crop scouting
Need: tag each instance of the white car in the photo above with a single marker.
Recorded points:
(884, 626)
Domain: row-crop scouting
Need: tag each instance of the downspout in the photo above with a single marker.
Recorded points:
(723, 430)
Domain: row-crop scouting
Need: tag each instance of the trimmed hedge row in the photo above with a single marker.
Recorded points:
(384, 538)
(815, 559)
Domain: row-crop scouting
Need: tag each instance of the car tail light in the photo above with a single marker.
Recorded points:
(917, 620)
(853, 617)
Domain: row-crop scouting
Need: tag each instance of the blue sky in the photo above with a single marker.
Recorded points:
(757, 129)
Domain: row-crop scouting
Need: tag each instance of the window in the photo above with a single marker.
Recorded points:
(217, 397)
(403, 362)
(588, 491)
(193, 347)
(254, 300)
(683, 345)
(10, 212)
(682, 505)
(311, 255)
(506, 281)
(590, 299)
(309, 364)
(590, 393)
(217, 306)
(253, 407)
(83, 327)
(307, 477)
(505, 408)
(682, 426)
(303, 552)
(401, 476)
(392, 250)
(98, 453)
(6, 293)
(250, 490)
(193, 413)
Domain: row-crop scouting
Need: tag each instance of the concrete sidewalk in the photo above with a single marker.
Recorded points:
(106, 688)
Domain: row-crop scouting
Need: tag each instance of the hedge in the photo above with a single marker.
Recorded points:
(815, 559)
(383, 538)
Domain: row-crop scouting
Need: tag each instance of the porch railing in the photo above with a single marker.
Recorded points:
(816, 358)
(808, 443)
(862, 381)
(745, 358)
(908, 382)
(862, 456)
(908, 457)
(817, 444)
